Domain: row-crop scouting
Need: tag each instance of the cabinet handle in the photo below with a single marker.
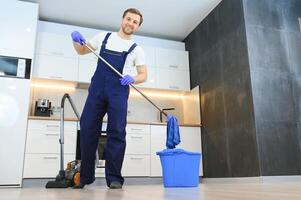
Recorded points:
(51, 134)
(57, 53)
(56, 77)
(174, 66)
(136, 129)
(52, 126)
(173, 87)
(136, 137)
(50, 158)
(133, 158)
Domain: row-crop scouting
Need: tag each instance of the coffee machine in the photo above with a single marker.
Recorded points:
(43, 108)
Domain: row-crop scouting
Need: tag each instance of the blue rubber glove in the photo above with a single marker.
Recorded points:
(127, 80)
(77, 37)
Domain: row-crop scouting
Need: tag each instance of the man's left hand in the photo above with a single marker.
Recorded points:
(127, 80)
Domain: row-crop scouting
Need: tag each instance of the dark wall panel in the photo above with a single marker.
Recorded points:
(219, 64)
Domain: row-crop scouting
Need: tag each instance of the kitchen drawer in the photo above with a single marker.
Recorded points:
(136, 165)
(44, 125)
(100, 172)
(137, 144)
(137, 129)
(44, 165)
(48, 142)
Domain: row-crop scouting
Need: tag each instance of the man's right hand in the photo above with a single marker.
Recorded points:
(77, 37)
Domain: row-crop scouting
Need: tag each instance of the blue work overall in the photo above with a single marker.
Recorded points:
(106, 95)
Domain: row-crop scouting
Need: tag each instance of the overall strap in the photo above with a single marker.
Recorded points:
(104, 42)
(132, 48)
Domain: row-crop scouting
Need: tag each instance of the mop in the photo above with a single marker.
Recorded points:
(173, 135)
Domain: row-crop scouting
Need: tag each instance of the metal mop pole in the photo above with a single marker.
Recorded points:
(162, 111)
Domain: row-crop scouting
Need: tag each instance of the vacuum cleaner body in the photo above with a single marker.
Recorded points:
(68, 177)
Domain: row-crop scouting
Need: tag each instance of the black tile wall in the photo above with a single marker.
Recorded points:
(219, 64)
(297, 96)
(294, 47)
(243, 151)
(267, 49)
(215, 154)
(272, 96)
(291, 12)
(274, 49)
(238, 101)
(245, 55)
(264, 13)
(279, 148)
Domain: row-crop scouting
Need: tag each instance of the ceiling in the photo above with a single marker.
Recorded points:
(167, 19)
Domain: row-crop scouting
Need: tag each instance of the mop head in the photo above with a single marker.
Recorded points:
(173, 133)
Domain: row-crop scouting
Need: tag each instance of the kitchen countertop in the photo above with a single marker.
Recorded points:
(129, 122)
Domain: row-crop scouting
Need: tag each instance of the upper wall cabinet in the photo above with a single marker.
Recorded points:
(172, 69)
(18, 22)
(55, 57)
(172, 59)
(86, 67)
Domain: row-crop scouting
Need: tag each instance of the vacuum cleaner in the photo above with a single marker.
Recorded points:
(71, 175)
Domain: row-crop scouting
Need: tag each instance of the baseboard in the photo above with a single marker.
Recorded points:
(259, 179)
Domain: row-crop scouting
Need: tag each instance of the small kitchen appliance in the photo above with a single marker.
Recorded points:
(43, 108)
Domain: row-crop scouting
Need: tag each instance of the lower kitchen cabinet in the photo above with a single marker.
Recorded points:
(44, 165)
(42, 159)
(42, 154)
(137, 154)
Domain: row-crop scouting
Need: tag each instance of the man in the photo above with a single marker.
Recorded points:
(108, 93)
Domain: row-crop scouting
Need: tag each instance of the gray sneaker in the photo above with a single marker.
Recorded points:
(115, 185)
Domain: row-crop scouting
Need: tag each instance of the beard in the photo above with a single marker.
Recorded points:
(127, 30)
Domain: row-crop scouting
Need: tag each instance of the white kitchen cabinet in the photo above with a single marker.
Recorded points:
(172, 59)
(190, 141)
(149, 53)
(136, 165)
(137, 153)
(151, 81)
(55, 57)
(44, 165)
(172, 69)
(86, 67)
(173, 79)
(18, 22)
(42, 158)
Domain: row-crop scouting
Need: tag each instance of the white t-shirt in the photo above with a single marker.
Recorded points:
(116, 43)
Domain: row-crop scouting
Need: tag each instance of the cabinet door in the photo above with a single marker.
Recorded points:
(149, 53)
(137, 139)
(173, 79)
(136, 165)
(44, 165)
(56, 67)
(18, 22)
(172, 59)
(52, 44)
(86, 68)
(55, 57)
(151, 81)
(158, 140)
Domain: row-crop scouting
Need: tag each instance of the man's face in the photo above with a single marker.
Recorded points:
(130, 23)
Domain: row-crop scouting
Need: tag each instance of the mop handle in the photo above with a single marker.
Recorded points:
(162, 111)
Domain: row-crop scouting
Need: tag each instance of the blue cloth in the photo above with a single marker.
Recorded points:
(106, 95)
(173, 133)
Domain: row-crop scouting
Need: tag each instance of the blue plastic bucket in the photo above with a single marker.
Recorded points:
(180, 168)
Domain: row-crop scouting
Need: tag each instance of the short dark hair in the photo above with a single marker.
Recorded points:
(134, 11)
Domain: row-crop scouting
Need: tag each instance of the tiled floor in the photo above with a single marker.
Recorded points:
(209, 191)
